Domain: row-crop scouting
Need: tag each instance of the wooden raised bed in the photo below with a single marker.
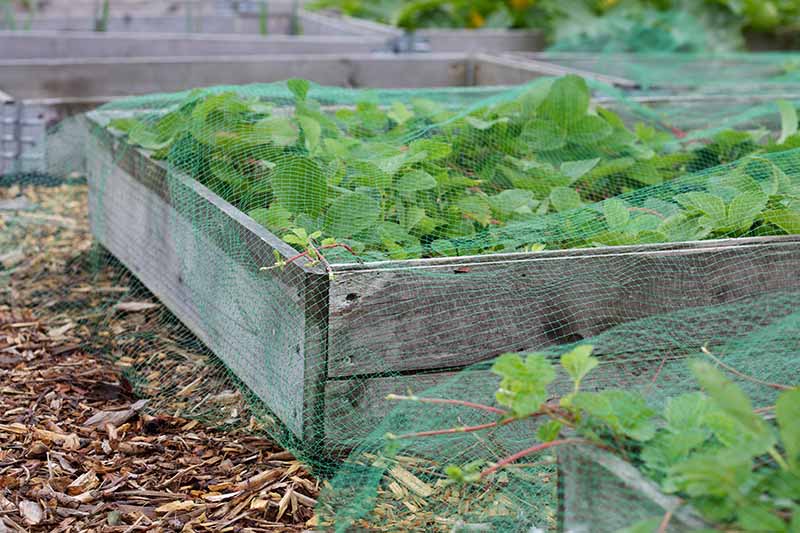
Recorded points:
(323, 353)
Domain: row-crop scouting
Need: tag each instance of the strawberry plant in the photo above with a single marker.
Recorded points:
(736, 467)
(417, 178)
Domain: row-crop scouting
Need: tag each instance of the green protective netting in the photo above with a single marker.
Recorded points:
(344, 253)
(662, 72)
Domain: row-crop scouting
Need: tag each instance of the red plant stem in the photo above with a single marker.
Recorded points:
(468, 429)
(533, 449)
(324, 247)
(662, 527)
(658, 373)
(677, 132)
(445, 401)
(462, 429)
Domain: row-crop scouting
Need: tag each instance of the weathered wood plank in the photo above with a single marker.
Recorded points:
(501, 70)
(483, 40)
(118, 77)
(431, 314)
(74, 45)
(201, 258)
(647, 355)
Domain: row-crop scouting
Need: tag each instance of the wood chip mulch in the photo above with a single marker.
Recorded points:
(78, 450)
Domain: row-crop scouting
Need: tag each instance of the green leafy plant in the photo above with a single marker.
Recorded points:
(592, 25)
(735, 467)
(416, 178)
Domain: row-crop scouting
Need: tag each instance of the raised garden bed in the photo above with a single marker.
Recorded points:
(44, 92)
(323, 348)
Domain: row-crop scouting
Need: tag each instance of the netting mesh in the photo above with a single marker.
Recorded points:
(345, 253)
(659, 71)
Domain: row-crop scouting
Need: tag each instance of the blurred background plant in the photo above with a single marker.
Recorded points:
(582, 25)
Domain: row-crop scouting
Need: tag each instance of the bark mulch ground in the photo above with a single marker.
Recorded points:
(78, 450)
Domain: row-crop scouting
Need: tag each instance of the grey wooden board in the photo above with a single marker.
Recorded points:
(131, 76)
(424, 315)
(458, 40)
(59, 45)
(602, 493)
(109, 77)
(356, 406)
(201, 258)
(482, 40)
(310, 23)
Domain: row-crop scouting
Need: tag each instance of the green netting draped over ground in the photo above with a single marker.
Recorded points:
(359, 262)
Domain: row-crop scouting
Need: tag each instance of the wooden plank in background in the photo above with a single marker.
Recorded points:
(108, 77)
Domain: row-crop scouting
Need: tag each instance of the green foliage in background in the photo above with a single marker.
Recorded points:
(592, 25)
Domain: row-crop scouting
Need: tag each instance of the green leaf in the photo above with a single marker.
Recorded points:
(367, 174)
(416, 180)
(279, 130)
(708, 204)
(565, 198)
(125, 125)
(549, 431)
(351, 213)
(444, 247)
(300, 185)
(433, 150)
(311, 130)
(399, 113)
(788, 120)
(259, 215)
(760, 518)
(669, 448)
(785, 219)
(731, 400)
(567, 102)
(787, 411)
(543, 135)
(744, 208)
(589, 130)
(513, 200)
(524, 384)
(686, 411)
(682, 227)
(577, 169)
(299, 88)
(616, 213)
(713, 473)
(578, 362)
(476, 208)
(624, 412)
(484, 124)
